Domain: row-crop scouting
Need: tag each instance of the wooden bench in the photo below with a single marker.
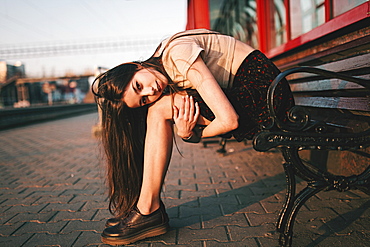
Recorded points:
(332, 112)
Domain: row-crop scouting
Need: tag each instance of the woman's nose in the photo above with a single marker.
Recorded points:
(148, 91)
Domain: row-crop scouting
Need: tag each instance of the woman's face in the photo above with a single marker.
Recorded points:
(145, 87)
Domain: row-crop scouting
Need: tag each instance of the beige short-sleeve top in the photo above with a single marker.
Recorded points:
(180, 51)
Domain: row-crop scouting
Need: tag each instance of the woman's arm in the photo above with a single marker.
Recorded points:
(226, 119)
(180, 110)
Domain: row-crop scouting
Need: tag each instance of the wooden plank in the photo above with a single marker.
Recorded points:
(348, 45)
(362, 61)
(329, 84)
(349, 103)
(358, 65)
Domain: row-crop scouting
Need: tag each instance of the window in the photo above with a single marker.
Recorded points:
(342, 6)
(305, 21)
(276, 26)
(236, 18)
(305, 15)
(277, 29)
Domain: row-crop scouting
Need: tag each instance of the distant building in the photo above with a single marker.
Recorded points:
(52, 90)
(18, 91)
(9, 73)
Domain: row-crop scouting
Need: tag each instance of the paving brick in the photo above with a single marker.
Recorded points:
(219, 186)
(88, 238)
(81, 226)
(53, 199)
(235, 220)
(250, 208)
(170, 238)
(249, 242)
(238, 233)
(69, 216)
(193, 244)
(79, 191)
(36, 227)
(45, 239)
(174, 194)
(192, 222)
(39, 192)
(4, 218)
(195, 194)
(12, 241)
(9, 229)
(19, 202)
(187, 236)
(101, 214)
(191, 181)
(31, 217)
(172, 202)
(186, 211)
(211, 200)
(259, 219)
(93, 205)
(87, 198)
(62, 207)
(167, 188)
(342, 241)
(271, 241)
(244, 191)
(271, 205)
(25, 209)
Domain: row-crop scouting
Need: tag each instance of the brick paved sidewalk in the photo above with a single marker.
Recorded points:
(53, 194)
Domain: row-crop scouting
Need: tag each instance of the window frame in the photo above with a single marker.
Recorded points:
(331, 25)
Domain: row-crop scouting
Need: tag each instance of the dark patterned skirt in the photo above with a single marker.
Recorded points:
(248, 95)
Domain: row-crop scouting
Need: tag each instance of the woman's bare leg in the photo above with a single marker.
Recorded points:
(157, 155)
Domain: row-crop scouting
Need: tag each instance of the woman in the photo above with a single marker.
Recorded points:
(205, 83)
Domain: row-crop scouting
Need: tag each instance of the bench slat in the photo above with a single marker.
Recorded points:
(328, 84)
(358, 65)
(349, 103)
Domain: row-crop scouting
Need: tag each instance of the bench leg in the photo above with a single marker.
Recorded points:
(288, 204)
(292, 205)
(222, 143)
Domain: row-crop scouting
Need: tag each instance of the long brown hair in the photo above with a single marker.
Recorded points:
(123, 133)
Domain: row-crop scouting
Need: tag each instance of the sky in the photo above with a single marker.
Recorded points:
(30, 23)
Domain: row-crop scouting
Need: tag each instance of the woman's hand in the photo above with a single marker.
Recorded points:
(186, 117)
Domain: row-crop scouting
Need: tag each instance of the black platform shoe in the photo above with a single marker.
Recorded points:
(136, 227)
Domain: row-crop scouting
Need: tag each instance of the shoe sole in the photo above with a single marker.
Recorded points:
(146, 233)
